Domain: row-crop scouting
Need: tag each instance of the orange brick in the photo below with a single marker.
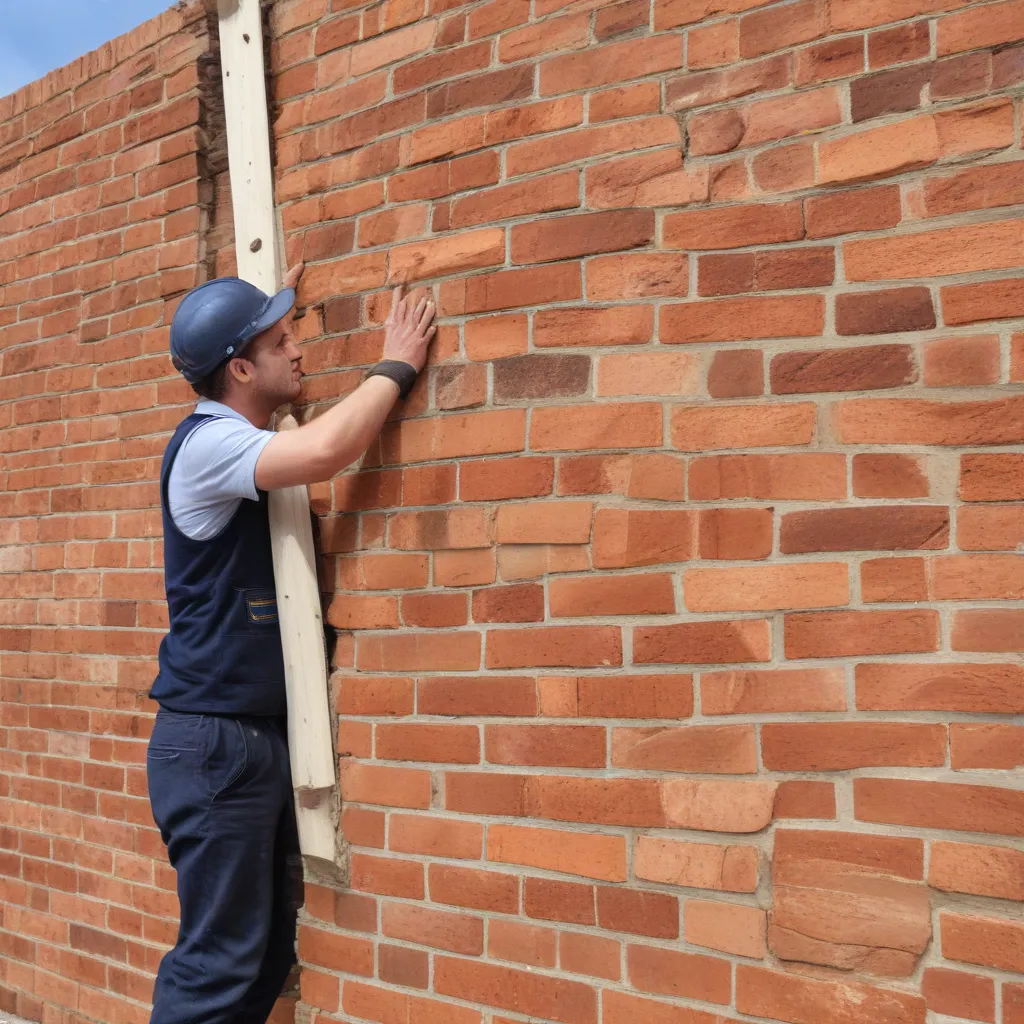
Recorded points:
(592, 856)
(727, 927)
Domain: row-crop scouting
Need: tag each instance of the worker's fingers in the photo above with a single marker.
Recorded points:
(426, 315)
(418, 311)
(396, 301)
(291, 279)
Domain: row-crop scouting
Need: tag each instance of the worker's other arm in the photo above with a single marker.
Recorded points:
(323, 448)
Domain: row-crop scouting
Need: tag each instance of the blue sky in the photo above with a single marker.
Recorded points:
(37, 36)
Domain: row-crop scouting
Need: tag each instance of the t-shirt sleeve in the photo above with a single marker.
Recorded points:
(214, 470)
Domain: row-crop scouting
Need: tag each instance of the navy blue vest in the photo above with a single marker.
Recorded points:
(223, 652)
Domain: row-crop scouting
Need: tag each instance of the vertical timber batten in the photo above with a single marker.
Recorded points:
(309, 722)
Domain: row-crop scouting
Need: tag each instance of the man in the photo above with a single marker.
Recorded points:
(219, 775)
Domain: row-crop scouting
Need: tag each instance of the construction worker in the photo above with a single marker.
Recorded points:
(219, 776)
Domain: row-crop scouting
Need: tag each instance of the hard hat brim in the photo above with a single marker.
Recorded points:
(275, 310)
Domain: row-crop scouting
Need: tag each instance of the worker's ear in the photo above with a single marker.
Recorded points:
(242, 370)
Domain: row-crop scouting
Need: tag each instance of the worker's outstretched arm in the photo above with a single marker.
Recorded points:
(323, 448)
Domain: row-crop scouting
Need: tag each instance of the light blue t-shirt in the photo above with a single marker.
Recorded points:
(215, 471)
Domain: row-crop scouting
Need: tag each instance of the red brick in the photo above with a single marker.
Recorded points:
(568, 1001)
(917, 421)
(736, 374)
(986, 941)
(764, 993)
(769, 692)
(712, 749)
(593, 955)
(763, 121)
(459, 933)
(435, 837)
(703, 428)
(613, 62)
(556, 745)
(771, 477)
(831, 59)
(683, 975)
(525, 944)
(478, 890)
(577, 428)
(842, 634)
(703, 643)
(622, 325)
(798, 316)
(726, 927)
(889, 476)
(959, 994)
(940, 805)
(951, 362)
(765, 31)
(637, 275)
(977, 688)
(977, 869)
(713, 45)
(971, 30)
(802, 799)
(882, 527)
(733, 227)
(554, 646)
(809, 746)
(641, 913)
(897, 45)
(610, 595)
(550, 900)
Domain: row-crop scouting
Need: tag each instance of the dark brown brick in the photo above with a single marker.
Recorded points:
(341, 314)
(966, 75)
(882, 528)
(481, 91)
(843, 369)
(736, 374)
(888, 92)
(621, 18)
(885, 312)
(521, 378)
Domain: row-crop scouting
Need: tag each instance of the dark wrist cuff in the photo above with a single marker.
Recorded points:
(401, 373)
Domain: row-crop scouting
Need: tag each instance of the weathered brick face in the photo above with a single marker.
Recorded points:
(678, 675)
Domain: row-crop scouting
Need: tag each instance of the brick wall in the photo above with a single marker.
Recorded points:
(679, 612)
(109, 207)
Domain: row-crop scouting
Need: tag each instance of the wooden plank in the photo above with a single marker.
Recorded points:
(298, 598)
(245, 108)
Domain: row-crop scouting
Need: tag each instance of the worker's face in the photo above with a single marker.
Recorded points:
(276, 362)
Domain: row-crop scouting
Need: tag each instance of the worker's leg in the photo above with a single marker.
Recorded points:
(279, 957)
(217, 796)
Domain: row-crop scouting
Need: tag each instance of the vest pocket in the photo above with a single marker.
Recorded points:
(261, 607)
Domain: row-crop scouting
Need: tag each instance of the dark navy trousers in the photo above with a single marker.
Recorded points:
(221, 793)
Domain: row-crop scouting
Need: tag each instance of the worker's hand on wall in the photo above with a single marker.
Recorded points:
(291, 279)
(409, 327)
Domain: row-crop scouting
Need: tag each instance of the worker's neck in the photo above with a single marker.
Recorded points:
(250, 407)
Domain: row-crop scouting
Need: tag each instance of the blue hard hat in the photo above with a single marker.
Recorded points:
(215, 322)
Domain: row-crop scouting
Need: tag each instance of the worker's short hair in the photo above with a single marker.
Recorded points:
(214, 386)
